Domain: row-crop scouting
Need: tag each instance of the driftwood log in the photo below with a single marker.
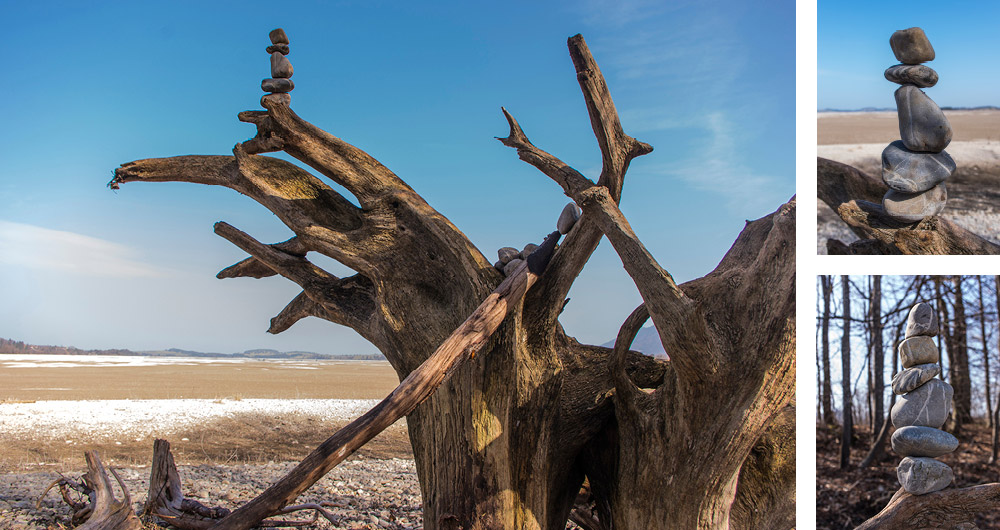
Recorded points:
(102, 511)
(857, 198)
(952, 509)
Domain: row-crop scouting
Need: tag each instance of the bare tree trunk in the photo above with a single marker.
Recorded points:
(878, 352)
(986, 353)
(960, 379)
(826, 392)
(995, 438)
(847, 432)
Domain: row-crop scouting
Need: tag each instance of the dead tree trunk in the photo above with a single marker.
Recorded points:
(960, 378)
(500, 444)
(995, 436)
(827, 388)
(986, 353)
(847, 423)
(878, 354)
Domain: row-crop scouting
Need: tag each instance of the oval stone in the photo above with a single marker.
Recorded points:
(912, 74)
(913, 207)
(512, 266)
(277, 85)
(918, 350)
(910, 46)
(507, 253)
(911, 378)
(926, 406)
(280, 48)
(922, 320)
(527, 250)
(922, 125)
(280, 66)
(920, 475)
(570, 214)
(923, 441)
(278, 36)
(912, 172)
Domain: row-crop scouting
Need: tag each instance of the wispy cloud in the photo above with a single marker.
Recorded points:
(68, 252)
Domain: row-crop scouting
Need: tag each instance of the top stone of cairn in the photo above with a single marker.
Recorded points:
(910, 46)
(278, 37)
(922, 321)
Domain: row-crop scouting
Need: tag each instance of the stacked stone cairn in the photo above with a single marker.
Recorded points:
(280, 82)
(922, 408)
(916, 167)
(511, 258)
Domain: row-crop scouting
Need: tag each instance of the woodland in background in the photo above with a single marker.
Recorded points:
(860, 322)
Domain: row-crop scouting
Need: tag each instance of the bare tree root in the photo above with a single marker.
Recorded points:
(104, 511)
(951, 509)
(857, 199)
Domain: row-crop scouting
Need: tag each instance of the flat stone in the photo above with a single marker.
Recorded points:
(920, 475)
(910, 46)
(280, 48)
(913, 207)
(922, 125)
(527, 250)
(912, 172)
(281, 67)
(922, 320)
(918, 350)
(569, 216)
(277, 85)
(923, 441)
(512, 266)
(507, 253)
(278, 36)
(912, 74)
(911, 378)
(925, 406)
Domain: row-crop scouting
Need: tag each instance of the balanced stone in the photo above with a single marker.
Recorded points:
(923, 441)
(922, 125)
(277, 85)
(512, 266)
(568, 218)
(278, 36)
(913, 207)
(917, 350)
(926, 406)
(280, 48)
(281, 67)
(922, 320)
(912, 74)
(507, 253)
(911, 46)
(912, 172)
(908, 380)
(527, 250)
(269, 100)
(499, 265)
(920, 475)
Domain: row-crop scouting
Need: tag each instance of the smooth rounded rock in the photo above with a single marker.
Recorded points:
(922, 125)
(925, 406)
(910, 379)
(923, 441)
(512, 266)
(278, 36)
(912, 74)
(911, 46)
(277, 85)
(280, 48)
(569, 216)
(912, 172)
(527, 250)
(507, 253)
(922, 320)
(281, 67)
(918, 350)
(913, 207)
(920, 475)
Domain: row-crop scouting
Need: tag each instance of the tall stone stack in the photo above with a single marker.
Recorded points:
(916, 166)
(280, 82)
(922, 408)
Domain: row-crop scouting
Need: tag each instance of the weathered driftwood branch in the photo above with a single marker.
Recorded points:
(105, 511)
(857, 199)
(950, 508)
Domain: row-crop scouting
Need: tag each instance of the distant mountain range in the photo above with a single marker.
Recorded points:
(646, 341)
(893, 109)
(12, 346)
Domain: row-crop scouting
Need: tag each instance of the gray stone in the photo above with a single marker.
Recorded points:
(280, 66)
(918, 350)
(922, 125)
(912, 74)
(527, 250)
(568, 218)
(267, 100)
(913, 207)
(278, 36)
(280, 48)
(512, 266)
(912, 172)
(277, 85)
(507, 253)
(920, 475)
(926, 406)
(922, 320)
(911, 378)
(499, 265)
(923, 441)
(910, 46)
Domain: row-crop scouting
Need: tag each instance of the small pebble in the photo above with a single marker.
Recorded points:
(278, 36)
(527, 250)
(920, 475)
(914, 207)
(280, 48)
(912, 74)
(918, 350)
(507, 253)
(512, 266)
(281, 67)
(277, 85)
(922, 320)
(910, 46)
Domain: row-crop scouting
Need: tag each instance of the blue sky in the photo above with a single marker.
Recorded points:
(709, 84)
(853, 51)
